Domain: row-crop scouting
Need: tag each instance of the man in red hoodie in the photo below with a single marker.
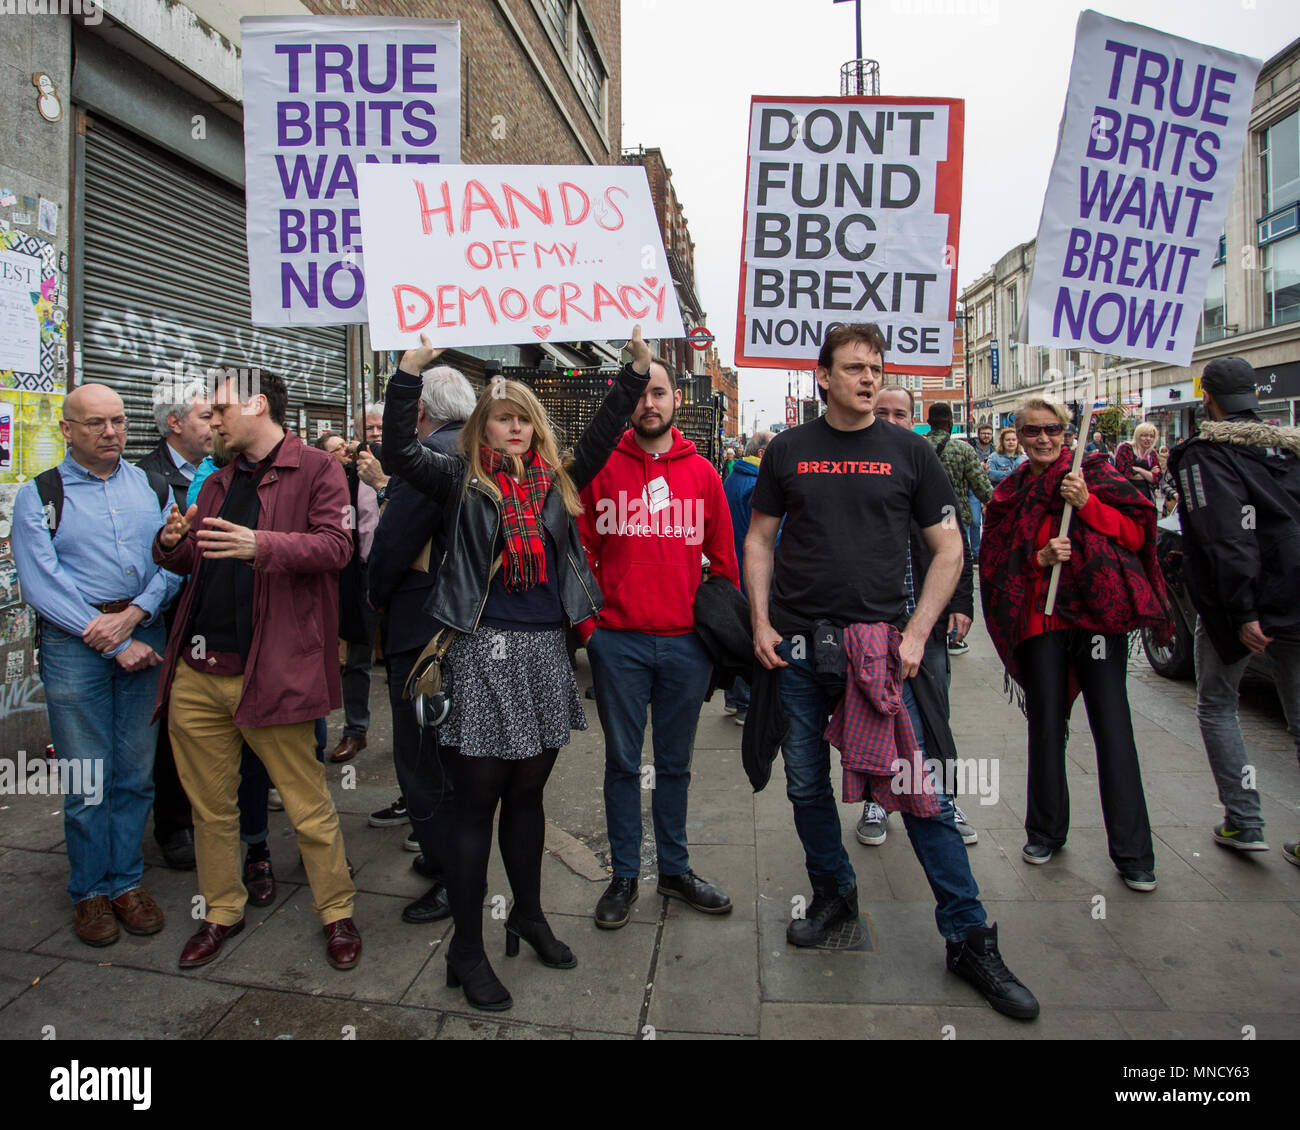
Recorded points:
(647, 520)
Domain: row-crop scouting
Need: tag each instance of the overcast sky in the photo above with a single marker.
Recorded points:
(691, 66)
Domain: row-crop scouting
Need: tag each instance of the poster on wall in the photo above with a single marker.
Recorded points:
(324, 96)
(852, 214)
(1147, 157)
(501, 254)
(33, 324)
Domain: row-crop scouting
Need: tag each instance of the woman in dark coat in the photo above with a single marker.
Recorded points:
(1110, 585)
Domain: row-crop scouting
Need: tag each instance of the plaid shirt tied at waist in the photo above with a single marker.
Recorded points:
(872, 729)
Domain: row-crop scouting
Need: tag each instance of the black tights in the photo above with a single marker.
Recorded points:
(480, 782)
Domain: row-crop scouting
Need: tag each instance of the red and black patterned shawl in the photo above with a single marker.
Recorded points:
(1104, 587)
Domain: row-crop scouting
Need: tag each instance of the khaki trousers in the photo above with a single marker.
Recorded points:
(207, 745)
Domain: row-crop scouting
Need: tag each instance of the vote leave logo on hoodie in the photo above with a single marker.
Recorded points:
(656, 513)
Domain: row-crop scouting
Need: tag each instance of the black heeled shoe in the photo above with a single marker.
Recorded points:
(552, 952)
(482, 989)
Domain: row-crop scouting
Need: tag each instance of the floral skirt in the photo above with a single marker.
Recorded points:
(512, 694)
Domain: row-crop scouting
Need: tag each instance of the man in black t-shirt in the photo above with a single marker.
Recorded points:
(848, 488)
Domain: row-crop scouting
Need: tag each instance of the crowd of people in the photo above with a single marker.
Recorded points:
(204, 612)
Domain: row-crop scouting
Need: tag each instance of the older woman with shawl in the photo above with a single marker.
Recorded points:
(1110, 585)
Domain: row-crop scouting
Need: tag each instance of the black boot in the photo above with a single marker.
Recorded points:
(829, 908)
(615, 905)
(976, 959)
(537, 933)
(482, 989)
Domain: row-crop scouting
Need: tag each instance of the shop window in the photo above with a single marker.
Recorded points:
(1281, 281)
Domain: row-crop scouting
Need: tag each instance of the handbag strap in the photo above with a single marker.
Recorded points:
(437, 647)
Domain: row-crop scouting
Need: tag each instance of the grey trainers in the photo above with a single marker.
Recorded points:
(1241, 839)
(874, 825)
(968, 834)
(1291, 852)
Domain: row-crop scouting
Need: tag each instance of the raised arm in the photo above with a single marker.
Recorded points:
(430, 472)
(601, 435)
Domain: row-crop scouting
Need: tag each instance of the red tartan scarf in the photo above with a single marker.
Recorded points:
(1104, 587)
(521, 511)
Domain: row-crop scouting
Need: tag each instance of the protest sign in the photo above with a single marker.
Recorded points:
(498, 254)
(852, 207)
(1147, 157)
(323, 96)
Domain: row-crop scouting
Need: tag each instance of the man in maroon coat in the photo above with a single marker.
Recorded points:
(252, 653)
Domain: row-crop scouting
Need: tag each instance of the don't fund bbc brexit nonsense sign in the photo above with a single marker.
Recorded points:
(323, 96)
(1139, 191)
(499, 254)
(852, 207)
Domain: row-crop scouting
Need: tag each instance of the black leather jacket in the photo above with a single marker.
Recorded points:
(474, 538)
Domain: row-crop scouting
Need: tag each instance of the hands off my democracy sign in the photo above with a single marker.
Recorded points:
(324, 95)
(1139, 191)
(852, 207)
(499, 254)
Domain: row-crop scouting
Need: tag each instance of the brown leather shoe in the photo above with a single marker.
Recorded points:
(206, 944)
(137, 912)
(342, 944)
(259, 881)
(95, 923)
(347, 749)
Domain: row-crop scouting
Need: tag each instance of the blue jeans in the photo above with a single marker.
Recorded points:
(670, 674)
(976, 525)
(100, 712)
(738, 696)
(1217, 694)
(935, 840)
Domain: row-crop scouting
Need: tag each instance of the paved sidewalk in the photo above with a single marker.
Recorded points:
(1215, 949)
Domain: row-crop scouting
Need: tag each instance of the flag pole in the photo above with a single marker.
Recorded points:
(1068, 512)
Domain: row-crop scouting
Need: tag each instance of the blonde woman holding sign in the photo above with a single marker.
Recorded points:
(513, 696)
(1109, 585)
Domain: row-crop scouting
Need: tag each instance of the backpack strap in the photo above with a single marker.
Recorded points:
(49, 487)
(162, 488)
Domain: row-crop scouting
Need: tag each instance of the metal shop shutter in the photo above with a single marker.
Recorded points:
(165, 282)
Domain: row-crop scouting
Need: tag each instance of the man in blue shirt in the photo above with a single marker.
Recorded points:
(89, 573)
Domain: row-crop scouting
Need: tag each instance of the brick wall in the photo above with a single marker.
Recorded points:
(509, 116)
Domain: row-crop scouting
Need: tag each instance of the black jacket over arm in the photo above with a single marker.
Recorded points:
(409, 520)
(160, 460)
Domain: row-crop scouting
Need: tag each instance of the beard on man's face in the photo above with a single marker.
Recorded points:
(654, 431)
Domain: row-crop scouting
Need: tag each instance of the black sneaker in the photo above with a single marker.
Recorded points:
(1139, 880)
(976, 959)
(696, 892)
(391, 816)
(829, 908)
(421, 867)
(1035, 853)
(1241, 839)
(432, 906)
(615, 905)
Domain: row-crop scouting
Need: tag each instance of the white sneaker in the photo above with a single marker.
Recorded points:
(273, 801)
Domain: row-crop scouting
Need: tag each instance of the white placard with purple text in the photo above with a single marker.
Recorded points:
(323, 96)
(503, 254)
(1148, 154)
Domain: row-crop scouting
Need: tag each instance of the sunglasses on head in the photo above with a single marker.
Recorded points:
(1033, 431)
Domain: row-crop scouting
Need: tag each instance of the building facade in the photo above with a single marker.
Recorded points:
(1251, 308)
(122, 195)
(680, 249)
